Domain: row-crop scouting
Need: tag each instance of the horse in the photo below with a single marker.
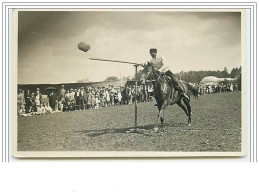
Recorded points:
(165, 94)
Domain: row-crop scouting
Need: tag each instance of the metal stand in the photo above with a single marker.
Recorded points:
(136, 129)
(136, 84)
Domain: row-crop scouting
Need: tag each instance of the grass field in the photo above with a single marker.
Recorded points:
(216, 120)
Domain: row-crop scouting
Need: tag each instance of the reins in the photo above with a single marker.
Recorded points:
(154, 73)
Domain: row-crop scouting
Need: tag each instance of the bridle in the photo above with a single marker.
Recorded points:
(152, 69)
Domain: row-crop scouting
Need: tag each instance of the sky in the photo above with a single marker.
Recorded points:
(48, 52)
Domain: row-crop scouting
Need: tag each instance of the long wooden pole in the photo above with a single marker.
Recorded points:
(136, 84)
(114, 61)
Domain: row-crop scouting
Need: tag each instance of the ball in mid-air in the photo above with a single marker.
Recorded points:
(83, 46)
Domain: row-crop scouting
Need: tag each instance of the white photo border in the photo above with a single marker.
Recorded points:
(251, 49)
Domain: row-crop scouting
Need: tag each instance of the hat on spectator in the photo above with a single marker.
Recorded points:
(153, 50)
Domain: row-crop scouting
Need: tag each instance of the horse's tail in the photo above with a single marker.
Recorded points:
(194, 90)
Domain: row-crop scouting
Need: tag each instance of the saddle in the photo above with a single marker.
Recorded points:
(170, 82)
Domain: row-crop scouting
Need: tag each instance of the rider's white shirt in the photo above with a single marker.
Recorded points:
(159, 64)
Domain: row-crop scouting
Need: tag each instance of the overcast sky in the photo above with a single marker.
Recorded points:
(47, 43)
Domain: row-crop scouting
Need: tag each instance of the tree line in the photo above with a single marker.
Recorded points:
(190, 76)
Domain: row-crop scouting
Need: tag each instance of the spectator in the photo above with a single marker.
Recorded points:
(83, 98)
(72, 99)
(62, 93)
(52, 99)
(112, 97)
(107, 97)
(119, 96)
(40, 109)
(48, 109)
(67, 101)
(92, 94)
(89, 99)
(56, 108)
(77, 98)
(97, 102)
(20, 102)
(28, 102)
(38, 97)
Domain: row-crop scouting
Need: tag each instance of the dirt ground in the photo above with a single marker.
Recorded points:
(216, 122)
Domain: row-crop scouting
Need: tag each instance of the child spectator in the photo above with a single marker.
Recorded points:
(48, 109)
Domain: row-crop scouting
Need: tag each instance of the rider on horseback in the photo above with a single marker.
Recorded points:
(158, 63)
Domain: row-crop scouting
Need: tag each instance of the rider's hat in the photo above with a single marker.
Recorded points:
(153, 50)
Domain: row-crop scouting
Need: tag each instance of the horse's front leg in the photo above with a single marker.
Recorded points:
(160, 118)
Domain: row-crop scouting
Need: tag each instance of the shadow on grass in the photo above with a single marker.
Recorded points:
(143, 130)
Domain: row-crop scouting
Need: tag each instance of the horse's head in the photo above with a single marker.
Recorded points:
(146, 73)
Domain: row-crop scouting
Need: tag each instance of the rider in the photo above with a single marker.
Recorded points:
(158, 63)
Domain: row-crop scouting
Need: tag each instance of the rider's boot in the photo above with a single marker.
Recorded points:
(174, 83)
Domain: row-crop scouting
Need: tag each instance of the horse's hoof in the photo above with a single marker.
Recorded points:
(156, 129)
(190, 126)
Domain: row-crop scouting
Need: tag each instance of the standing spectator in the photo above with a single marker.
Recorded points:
(56, 108)
(72, 99)
(20, 102)
(33, 108)
(38, 97)
(97, 102)
(92, 93)
(231, 87)
(28, 102)
(112, 97)
(119, 96)
(62, 93)
(101, 99)
(83, 98)
(67, 101)
(116, 97)
(126, 93)
(89, 98)
(52, 99)
(107, 98)
(78, 98)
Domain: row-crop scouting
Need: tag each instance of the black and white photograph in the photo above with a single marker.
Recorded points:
(129, 83)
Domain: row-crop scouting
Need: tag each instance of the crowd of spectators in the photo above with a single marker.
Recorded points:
(221, 88)
(64, 100)
(83, 98)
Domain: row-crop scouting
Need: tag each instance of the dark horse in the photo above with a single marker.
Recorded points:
(165, 94)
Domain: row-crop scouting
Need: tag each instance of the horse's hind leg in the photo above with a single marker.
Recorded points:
(183, 107)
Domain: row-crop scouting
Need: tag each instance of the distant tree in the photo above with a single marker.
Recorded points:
(234, 72)
(225, 72)
(112, 78)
